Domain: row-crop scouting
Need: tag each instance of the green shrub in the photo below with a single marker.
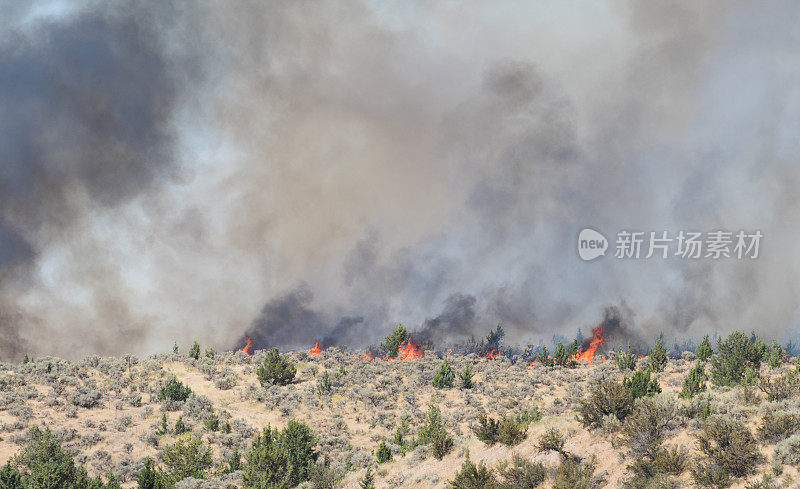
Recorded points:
(384, 453)
(552, 440)
(152, 478)
(575, 474)
(641, 384)
(736, 353)
(10, 478)
(234, 462)
(180, 427)
(777, 426)
(530, 415)
(444, 376)
(434, 433)
(275, 369)
(704, 350)
(607, 398)
(486, 429)
(187, 458)
(646, 428)
(671, 461)
(774, 355)
(694, 382)
(520, 474)
(212, 421)
(280, 458)
(324, 385)
(466, 377)
(658, 357)
(368, 481)
(780, 388)
(787, 451)
(391, 344)
(511, 431)
(323, 476)
(544, 358)
(43, 464)
(174, 390)
(766, 482)
(494, 340)
(562, 357)
(730, 451)
(698, 407)
(473, 476)
(194, 351)
(625, 360)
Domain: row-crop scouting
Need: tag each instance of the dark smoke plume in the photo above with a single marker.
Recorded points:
(307, 171)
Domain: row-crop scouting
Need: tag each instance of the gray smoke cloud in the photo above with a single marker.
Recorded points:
(303, 171)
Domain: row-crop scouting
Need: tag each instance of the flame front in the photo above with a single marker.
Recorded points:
(409, 350)
(315, 349)
(587, 353)
(247, 346)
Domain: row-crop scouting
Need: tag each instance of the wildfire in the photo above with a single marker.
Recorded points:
(490, 354)
(409, 350)
(247, 346)
(587, 353)
(315, 349)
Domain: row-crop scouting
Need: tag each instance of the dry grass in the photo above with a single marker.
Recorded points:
(366, 406)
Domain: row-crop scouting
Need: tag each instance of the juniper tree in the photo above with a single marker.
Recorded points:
(694, 382)
(625, 360)
(736, 354)
(544, 358)
(560, 355)
(275, 369)
(368, 482)
(641, 384)
(658, 356)
(444, 376)
(466, 377)
(391, 344)
(775, 355)
(383, 453)
(194, 351)
(704, 350)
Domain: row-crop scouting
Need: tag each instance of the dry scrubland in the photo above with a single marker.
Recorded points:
(106, 412)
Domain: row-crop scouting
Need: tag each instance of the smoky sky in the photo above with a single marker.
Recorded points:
(308, 171)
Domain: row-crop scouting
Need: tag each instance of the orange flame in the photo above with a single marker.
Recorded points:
(409, 350)
(587, 353)
(315, 349)
(247, 346)
(368, 355)
(490, 355)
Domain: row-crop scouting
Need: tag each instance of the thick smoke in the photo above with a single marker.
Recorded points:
(305, 171)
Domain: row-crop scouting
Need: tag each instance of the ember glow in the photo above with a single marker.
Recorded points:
(315, 349)
(248, 344)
